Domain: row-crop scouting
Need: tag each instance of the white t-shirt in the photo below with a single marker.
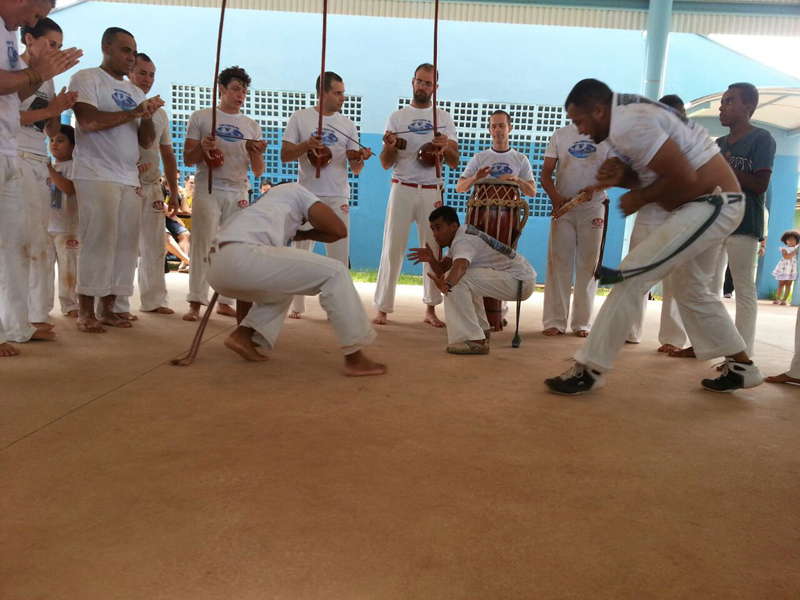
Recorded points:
(639, 127)
(153, 153)
(579, 159)
(232, 130)
(63, 208)
(332, 180)
(273, 220)
(31, 137)
(483, 251)
(418, 125)
(9, 103)
(112, 154)
(509, 162)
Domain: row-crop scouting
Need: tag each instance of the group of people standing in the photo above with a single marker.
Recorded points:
(106, 181)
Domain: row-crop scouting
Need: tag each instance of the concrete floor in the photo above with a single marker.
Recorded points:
(450, 478)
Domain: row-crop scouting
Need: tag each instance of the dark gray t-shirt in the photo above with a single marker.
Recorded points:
(753, 153)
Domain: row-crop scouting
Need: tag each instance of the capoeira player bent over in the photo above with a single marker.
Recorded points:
(340, 136)
(675, 163)
(476, 265)
(416, 190)
(152, 280)
(238, 140)
(575, 237)
(250, 261)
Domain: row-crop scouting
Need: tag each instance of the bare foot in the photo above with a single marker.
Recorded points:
(72, 313)
(126, 316)
(43, 326)
(552, 331)
(582, 333)
(685, 353)
(782, 378)
(294, 315)
(226, 310)
(381, 318)
(194, 312)
(668, 349)
(43, 335)
(358, 365)
(113, 320)
(241, 342)
(8, 350)
(161, 310)
(90, 325)
(431, 318)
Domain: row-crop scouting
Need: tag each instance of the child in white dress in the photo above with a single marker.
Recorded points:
(786, 271)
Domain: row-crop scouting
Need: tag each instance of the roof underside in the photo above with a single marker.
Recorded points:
(779, 107)
(744, 17)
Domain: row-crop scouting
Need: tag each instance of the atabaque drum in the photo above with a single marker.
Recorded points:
(496, 208)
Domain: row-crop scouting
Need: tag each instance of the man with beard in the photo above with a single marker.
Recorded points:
(416, 190)
(114, 119)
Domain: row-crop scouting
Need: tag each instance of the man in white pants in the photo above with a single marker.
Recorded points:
(476, 265)
(675, 163)
(152, 249)
(340, 136)
(416, 190)
(114, 119)
(239, 141)
(750, 151)
(671, 334)
(250, 261)
(575, 236)
(40, 116)
(17, 83)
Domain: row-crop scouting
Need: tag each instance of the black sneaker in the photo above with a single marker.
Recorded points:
(578, 380)
(735, 376)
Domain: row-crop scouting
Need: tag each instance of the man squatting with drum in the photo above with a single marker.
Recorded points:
(151, 276)
(416, 190)
(250, 261)
(671, 333)
(575, 237)
(666, 160)
(340, 136)
(114, 119)
(16, 84)
(476, 265)
(240, 146)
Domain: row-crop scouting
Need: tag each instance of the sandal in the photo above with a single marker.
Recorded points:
(468, 347)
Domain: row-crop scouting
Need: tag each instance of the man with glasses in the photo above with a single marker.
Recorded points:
(416, 190)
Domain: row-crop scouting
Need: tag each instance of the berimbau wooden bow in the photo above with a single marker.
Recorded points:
(437, 156)
(321, 89)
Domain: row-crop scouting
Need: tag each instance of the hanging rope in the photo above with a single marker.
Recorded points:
(321, 89)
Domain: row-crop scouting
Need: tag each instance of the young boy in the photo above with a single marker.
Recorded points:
(63, 228)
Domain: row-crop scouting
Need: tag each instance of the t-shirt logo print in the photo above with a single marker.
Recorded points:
(123, 99)
(328, 137)
(13, 55)
(499, 169)
(420, 126)
(582, 149)
(494, 244)
(229, 133)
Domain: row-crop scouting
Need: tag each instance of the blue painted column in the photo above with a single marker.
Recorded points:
(659, 19)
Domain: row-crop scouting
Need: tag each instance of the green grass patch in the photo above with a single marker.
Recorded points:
(372, 277)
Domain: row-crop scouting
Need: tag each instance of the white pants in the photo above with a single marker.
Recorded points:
(36, 194)
(152, 250)
(406, 205)
(574, 242)
(64, 250)
(671, 330)
(742, 251)
(337, 250)
(794, 369)
(463, 305)
(270, 277)
(209, 212)
(707, 322)
(14, 256)
(109, 216)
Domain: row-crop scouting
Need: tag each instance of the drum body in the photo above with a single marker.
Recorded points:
(496, 208)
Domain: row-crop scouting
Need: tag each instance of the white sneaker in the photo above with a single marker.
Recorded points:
(735, 376)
